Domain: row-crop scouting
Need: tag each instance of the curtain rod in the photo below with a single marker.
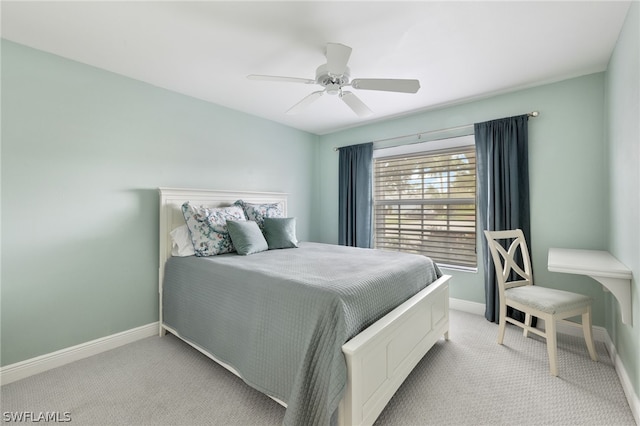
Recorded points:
(419, 135)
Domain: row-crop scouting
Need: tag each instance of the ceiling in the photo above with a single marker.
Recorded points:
(458, 50)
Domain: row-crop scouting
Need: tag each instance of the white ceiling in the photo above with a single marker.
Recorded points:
(458, 50)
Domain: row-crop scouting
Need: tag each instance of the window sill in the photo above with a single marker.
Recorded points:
(457, 268)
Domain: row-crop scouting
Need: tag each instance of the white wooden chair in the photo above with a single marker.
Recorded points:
(546, 303)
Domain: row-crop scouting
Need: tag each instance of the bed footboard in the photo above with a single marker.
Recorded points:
(381, 357)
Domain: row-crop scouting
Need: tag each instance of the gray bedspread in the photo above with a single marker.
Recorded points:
(280, 317)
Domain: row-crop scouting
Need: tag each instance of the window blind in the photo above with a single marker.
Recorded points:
(425, 203)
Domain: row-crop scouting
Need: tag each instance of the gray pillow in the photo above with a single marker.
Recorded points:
(246, 237)
(280, 232)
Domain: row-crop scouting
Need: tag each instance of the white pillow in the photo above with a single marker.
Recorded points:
(181, 245)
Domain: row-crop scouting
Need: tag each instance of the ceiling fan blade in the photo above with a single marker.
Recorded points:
(386, 84)
(280, 79)
(305, 102)
(356, 104)
(337, 58)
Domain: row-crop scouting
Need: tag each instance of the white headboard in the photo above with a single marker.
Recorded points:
(171, 200)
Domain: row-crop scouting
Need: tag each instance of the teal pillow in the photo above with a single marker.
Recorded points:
(280, 232)
(246, 237)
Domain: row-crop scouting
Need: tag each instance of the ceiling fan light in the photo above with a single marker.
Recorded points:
(333, 89)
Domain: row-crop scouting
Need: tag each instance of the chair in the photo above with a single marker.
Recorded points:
(516, 289)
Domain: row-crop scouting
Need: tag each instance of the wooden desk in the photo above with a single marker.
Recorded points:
(602, 267)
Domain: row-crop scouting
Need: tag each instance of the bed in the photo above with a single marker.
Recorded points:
(353, 355)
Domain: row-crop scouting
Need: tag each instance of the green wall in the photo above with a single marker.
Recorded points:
(568, 173)
(83, 152)
(623, 132)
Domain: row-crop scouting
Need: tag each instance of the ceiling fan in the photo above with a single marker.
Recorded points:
(334, 76)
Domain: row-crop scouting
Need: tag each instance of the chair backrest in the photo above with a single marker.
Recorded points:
(508, 272)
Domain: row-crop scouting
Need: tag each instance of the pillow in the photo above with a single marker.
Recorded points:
(280, 232)
(208, 228)
(257, 212)
(181, 244)
(246, 237)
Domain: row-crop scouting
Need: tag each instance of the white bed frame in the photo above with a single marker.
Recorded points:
(378, 359)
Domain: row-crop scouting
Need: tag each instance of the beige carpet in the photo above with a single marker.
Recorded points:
(470, 380)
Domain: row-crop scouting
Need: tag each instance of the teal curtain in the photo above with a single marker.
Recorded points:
(503, 191)
(355, 195)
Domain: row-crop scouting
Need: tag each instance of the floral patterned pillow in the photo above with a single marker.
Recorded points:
(208, 228)
(257, 212)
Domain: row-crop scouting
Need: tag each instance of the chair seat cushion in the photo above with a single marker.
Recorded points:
(547, 300)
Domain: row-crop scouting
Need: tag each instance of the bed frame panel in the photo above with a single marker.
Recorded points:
(378, 359)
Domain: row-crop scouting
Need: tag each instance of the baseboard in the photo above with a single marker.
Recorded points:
(20, 370)
(600, 334)
(575, 329)
(632, 398)
(466, 306)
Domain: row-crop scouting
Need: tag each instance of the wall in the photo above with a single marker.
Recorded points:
(623, 132)
(568, 173)
(83, 152)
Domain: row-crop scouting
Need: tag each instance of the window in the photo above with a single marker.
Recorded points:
(425, 203)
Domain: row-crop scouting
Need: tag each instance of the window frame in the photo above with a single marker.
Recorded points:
(427, 147)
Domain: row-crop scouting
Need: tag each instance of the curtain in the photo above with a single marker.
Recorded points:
(503, 192)
(355, 195)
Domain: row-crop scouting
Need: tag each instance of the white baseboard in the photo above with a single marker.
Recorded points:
(20, 370)
(466, 306)
(632, 398)
(600, 334)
